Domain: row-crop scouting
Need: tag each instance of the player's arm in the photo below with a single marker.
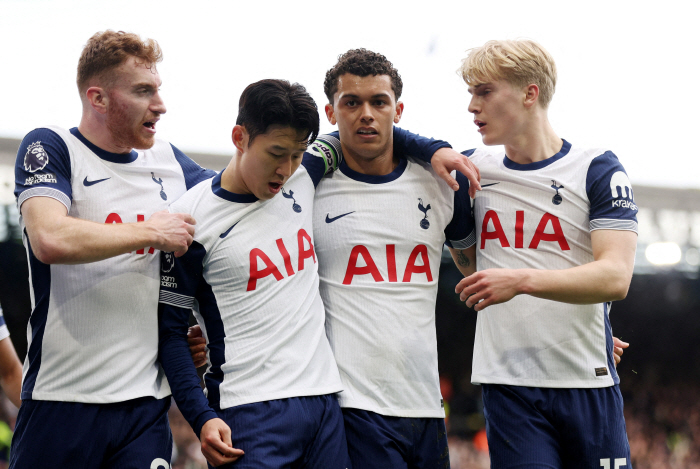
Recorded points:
(607, 278)
(441, 157)
(10, 371)
(465, 259)
(57, 238)
(177, 295)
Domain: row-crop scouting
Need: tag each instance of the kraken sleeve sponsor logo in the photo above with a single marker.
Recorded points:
(47, 178)
(621, 190)
(36, 157)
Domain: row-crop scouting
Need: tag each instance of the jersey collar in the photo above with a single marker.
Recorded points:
(373, 179)
(104, 154)
(230, 196)
(510, 164)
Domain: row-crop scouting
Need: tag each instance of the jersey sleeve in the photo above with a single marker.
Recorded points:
(610, 195)
(322, 157)
(4, 331)
(422, 148)
(43, 168)
(180, 278)
(194, 174)
(460, 233)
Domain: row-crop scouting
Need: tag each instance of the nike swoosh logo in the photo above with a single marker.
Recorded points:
(87, 183)
(225, 233)
(492, 184)
(331, 220)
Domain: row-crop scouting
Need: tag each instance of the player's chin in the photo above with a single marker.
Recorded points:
(144, 143)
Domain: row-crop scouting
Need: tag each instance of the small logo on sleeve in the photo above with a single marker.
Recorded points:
(36, 157)
(621, 190)
(47, 178)
(424, 223)
(601, 371)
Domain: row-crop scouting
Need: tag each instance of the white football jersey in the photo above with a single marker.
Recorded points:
(540, 215)
(251, 277)
(379, 241)
(93, 331)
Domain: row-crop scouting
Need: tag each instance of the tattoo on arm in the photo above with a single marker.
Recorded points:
(462, 259)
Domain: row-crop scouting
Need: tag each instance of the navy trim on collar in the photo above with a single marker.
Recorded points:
(565, 147)
(104, 154)
(230, 196)
(374, 179)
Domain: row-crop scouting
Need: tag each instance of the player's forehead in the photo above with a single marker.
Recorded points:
(350, 85)
(134, 71)
(283, 138)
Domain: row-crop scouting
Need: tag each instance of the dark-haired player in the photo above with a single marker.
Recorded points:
(92, 203)
(380, 223)
(251, 277)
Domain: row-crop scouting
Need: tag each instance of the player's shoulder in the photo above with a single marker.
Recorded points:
(196, 201)
(481, 155)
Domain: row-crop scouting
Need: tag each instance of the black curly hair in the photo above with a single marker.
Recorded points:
(361, 62)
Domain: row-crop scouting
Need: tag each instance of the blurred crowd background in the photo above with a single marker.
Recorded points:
(660, 372)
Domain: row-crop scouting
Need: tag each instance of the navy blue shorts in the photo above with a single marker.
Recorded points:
(134, 434)
(555, 428)
(381, 442)
(298, 432)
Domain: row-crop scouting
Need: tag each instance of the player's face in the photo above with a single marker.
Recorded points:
(498, 111)
(267, 162)
(134, 105)
(365, 109)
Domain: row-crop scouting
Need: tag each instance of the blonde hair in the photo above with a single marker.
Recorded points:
(519, 62)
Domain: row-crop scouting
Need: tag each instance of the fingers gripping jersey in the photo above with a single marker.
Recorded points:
(251, 278)
(379, 240)
(541, 215)
(93, 332)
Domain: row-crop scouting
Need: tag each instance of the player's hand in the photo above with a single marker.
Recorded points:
(489, 287)
(198, 346)
(446, 160)
(174, 231)
(217, 447)
(618, 349)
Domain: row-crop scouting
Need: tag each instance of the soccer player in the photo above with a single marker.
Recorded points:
(556, 225)
(251, 277)
(93, 218)
(10, 366)
(380, 223)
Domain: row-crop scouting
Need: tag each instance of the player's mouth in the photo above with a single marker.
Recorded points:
(367, 132)
(151, 125)
(275, 187)
(479, 124)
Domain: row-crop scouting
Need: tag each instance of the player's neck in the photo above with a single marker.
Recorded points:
(230, 178)
(532, 144)
(97, 133)
(375, 165)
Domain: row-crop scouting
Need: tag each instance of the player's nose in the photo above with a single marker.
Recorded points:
(473, 107)
(366, 114)
(157, 104)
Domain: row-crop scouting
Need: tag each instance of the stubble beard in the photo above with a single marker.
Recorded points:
(121, 130)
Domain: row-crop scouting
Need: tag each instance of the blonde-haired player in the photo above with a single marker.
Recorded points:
(556, 229)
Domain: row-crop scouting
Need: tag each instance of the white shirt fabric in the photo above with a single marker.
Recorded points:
(541, 215)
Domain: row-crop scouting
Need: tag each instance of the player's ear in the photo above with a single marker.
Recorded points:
(399, 112)
(532, 93)
(98, 99)
(330, 114)
(239, 135)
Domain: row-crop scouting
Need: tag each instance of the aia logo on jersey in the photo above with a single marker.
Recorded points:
(159, 181)
(361, 262)
(262, 266)
(167, 262)
(424, 223)
(548, 230)
(116, 218)
(295, 206)
(621, 189)
(556, 200)
(36, 158)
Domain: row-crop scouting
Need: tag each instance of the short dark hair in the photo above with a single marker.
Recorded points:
(277, 102)
(107, 50)
(361, 62)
